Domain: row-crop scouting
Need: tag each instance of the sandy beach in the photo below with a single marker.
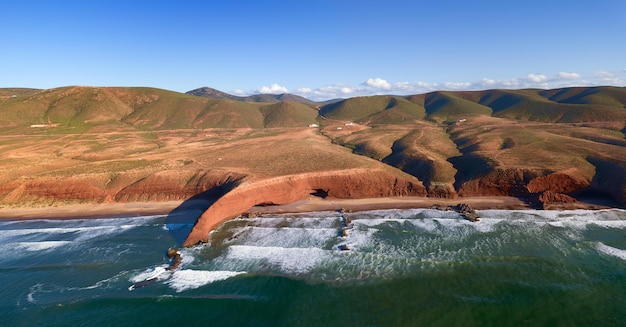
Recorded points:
(97, 210)
(318, 204)
(103, 210)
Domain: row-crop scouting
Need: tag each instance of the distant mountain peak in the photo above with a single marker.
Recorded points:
(208, 92)
(212, 93)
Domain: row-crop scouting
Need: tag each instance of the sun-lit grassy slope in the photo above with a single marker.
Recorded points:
(158, 165)
(605, 95)
(565, 106)
(421, 149)
(16, 91)
(375, 110)
(448, 107)
(425, 153)
(81, 109)
(288, 114)
(375, 142)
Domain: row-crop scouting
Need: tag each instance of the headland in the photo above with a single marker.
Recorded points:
(78, 152)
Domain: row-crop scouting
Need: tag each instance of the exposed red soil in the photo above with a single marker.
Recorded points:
(566, 181)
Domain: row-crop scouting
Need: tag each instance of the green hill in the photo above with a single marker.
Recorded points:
(374, 110)
(16, 91)
(449, 106)
(80, 109)
(564, 106)
(605, 95)
(288, 114)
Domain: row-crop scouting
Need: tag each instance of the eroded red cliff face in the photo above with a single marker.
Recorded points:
(97, 188)
(538, 189)
(522, 183)
(174, 185)
(545, 199)
(287, 189)
(500, 182)
(46, 190)
(565, 181)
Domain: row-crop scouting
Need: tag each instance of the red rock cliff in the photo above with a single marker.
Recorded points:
(287, 189)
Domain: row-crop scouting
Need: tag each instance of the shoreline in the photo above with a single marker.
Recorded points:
(311, 204)
(90, 210)
(367, 204)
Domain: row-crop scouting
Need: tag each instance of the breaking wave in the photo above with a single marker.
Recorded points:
(615, 252)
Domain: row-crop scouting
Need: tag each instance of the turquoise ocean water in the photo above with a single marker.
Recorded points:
(403, 268)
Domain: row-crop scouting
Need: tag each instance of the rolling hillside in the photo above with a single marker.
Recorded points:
(80, 109)
(130, 144)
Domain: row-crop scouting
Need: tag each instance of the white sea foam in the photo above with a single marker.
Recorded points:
(69, 230)
(295, 221)
(187, 279)
(610, 223)
(30, 297)
(283, 237)
(619, 253)
(287, 260)
(158, 273)
(172, 227)
(53, 230)
(38, 246)
(550, 215)
(359, 238)
(387, 243)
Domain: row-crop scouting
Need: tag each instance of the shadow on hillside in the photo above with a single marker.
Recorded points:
(470, 166)
(181, 220)
(419, 166)
(607, 185)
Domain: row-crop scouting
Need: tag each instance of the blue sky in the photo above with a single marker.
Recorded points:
(319, 49)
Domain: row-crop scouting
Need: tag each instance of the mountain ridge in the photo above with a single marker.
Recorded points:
(208, 92)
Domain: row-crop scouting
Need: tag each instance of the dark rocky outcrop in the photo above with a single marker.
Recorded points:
(468, 212)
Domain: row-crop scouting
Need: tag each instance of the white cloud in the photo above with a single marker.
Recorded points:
(304, 90)
(604, 74)
(403, 86)
(456, 85)
(537, 78)
(239, 92)
(273, 89)
(608, 78)
(378, 83)
(565, 75)
(374, 86)
(346, 90)
(487, 81)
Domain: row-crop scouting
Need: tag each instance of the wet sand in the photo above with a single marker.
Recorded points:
(104, 210)
(318, 204)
